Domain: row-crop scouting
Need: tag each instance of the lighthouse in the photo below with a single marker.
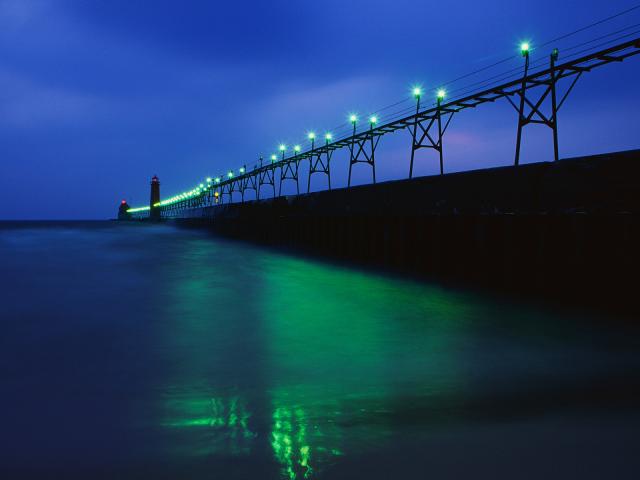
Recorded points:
(123, 213)
(154, 212)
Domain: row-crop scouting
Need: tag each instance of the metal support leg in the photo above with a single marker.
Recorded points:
(373, 158)
(439, 114)
(535, 112)
(441, 119)
(554, 108)
(266, 176)
(351, 153)
(318, 165)
(521, 117)
(413, 135)
(364, 150)
(289, 171)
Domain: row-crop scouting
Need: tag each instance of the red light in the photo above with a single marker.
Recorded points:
(123, 202)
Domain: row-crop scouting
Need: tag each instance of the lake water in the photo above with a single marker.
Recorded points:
(138, 351)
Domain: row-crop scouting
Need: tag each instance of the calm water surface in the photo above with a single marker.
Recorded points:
(133, 351)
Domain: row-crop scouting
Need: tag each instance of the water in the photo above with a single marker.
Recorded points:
(132, 351)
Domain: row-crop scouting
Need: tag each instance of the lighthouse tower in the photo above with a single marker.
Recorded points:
(123, 214)
(154, 212)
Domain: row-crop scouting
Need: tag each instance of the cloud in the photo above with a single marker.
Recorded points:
(295, 105)
(29, 104)
(15, 14)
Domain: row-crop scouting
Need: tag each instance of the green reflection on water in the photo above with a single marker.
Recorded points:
(330, 356)
(300, 444)
(198, 343)
(226, 421)
(343, 347)
(349, 331)
(289, 443)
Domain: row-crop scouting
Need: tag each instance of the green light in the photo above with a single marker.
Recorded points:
(353, 119)
(311, 136)
(283, 147)
(230, 174)
(441, 94)
(417, 92)
(273, 158)
(208, 179)
(201, 185)
(373, 120)
(296, 148)
(524, 48)
(241, 169)
(217, 179)
(139, 209)
(328, 137)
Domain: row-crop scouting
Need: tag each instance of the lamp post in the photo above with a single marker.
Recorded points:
(296, 151)
(417, 93)
(259, 173)
(354, 120)
(283, 149)
(554, 118)
(243, 182)
(439, 99)
(524, 51)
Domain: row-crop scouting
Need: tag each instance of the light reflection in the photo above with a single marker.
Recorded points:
(340, 355)
(321, 353)
(206, 409)
(225, 420)
(299, 445)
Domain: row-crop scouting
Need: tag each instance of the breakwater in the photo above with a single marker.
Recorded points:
(567, 230)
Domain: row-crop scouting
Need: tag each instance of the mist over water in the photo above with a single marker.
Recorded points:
(140, 351)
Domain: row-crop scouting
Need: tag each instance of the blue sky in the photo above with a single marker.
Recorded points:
(97, 96)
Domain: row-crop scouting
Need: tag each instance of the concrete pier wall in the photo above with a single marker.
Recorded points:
(568, 231)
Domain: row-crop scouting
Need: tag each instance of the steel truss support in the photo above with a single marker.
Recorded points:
(422, 137)
(266, 176)
(362, 150)
(248, 182)
(210, 200)
(289, 171)
(236, 186)
(531, 111)
(203, 200)
(319, 165)
(228, 188)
